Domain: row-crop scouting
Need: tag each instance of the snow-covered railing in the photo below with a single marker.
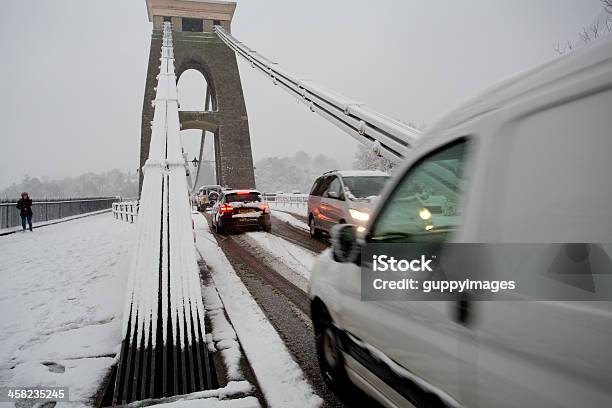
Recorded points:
(387, 136)
(286, 199)
(163, 352)
(48, 209)
(292, 203)
(125, 210)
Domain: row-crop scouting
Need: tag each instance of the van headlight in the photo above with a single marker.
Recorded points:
(425, 214)
(359, 215)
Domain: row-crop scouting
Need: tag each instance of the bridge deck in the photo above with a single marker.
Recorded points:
(62, 301)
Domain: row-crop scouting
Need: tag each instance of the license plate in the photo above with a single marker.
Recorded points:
(245, 210)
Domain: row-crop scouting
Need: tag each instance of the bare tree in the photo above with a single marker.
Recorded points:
(567, 47)
(584, 35)
(590, 33)
(595, 29)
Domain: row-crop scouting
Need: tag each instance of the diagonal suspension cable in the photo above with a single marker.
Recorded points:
(390, 138)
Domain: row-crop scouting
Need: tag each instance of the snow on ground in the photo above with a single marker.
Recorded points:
(61, 299)
(293, 256)
(290, 219)
(294, 208)
(233, 395)
(223, 337)
(246, 402)
(280, 378)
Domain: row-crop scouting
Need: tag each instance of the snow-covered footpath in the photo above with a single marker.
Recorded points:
(280, 378)
(61, 298)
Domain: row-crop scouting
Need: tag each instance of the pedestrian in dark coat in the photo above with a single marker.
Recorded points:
(25, 207)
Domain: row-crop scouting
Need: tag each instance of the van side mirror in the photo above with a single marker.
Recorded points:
(344, 243)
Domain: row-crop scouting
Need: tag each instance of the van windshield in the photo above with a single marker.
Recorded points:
(365, 186)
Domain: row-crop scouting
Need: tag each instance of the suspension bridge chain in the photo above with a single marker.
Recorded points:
(163, 351)
(389, 137)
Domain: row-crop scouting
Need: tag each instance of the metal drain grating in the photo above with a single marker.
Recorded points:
(178, 367)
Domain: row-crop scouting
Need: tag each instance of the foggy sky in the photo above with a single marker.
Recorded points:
(73, 71)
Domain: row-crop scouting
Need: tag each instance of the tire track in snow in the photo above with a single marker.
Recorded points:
(296, 235)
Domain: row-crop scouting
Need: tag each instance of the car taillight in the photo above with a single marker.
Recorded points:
(224, 208)
(265, 208)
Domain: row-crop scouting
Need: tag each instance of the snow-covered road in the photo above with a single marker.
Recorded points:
(280, 378)
(62, 297)
(271, 271)
(290, 228)
(296, 258)
(290, 219)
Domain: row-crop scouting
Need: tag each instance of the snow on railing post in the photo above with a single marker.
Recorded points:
(163, 326)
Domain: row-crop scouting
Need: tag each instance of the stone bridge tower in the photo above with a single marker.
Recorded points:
(197, 47)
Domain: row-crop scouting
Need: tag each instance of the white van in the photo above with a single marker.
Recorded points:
(529, 161)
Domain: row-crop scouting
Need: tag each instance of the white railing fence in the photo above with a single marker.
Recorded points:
(297, 200)
(125, 210)
(296, 204)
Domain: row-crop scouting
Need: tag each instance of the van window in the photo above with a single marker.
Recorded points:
(335, 187)
(320, 185)
(365, 186)
(558, 181)
(424, 207)
(315, 186)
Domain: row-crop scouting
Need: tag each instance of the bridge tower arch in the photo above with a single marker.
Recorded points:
(196, 46)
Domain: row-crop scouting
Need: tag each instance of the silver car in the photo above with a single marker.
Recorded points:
(343, 197)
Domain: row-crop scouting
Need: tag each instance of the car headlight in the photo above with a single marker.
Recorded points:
(359, 215)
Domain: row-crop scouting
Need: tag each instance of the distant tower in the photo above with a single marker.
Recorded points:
(197, 47)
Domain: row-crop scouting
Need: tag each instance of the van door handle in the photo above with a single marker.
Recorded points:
(463, 309)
